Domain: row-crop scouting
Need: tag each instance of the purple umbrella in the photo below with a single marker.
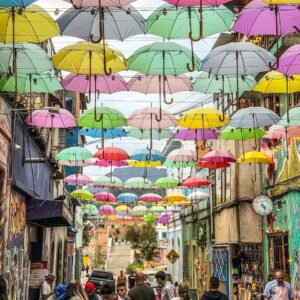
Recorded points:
(257, 17)
(164, 219)
(196, 134)
(289, 62)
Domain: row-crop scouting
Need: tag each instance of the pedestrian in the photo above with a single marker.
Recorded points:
(213, 293)
(60, 292)
(82, 270)
(108, 292)
(122, 277)
(168, 290)
(90, 289)
(80, 290)
(122, 291)
(278, 289)
(141, 291)
(75, 291)
(158, 292)
(47, 292)
(131, 280)
(183, 292)
(3, 288)
(87, 269)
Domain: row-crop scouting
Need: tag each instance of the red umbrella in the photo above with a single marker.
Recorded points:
(194, 182)
(105, 197)
(111, 154)
(212, 165)
(219, 156)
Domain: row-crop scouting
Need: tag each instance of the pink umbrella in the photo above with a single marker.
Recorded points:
(196, 134)
(95, 3)
(219, 156)
(151, 197)
(106, 210)
(289, 61)
(110, 163)
(182, 155)
(51, 117)
(78, 179)
(279, 132)
(105, 197)
(164, 219)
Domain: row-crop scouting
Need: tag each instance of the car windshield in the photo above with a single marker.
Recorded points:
(103, 275)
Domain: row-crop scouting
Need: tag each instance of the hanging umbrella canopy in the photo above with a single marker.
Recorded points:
(91, 210)
(123, 210)
(15, 3)
(50, 117)
(289, 61)
(142, 155)
(196, 134)
(105, 197)
(197, 195)
(109, 133)
(208, 84)
(157, 209)
(76, 163)
(172, 209)
(108, 118)
(95, 3)
(145, 134)
(103, 84)
(183, 203)
(78, 179)
(106, 181)
(175, 198)
(279, 131)
(74, 154)
(82, 194)
(33, 25)
(212, 165)
(194, 182)
(181, 155)
(241, 134)
(127, 198)
(166, 182)
(148, 218)
(118, 23)
(238, 58)
(164, 219)
(30, 59)
(205, 118)
(110, 163)
(151, 197)
(138, 183)
(107, 210)
(179, 164)
(188, 3)
(144, 164)
(162, 59)
(255, 157)
(219, 156)
(86, 58)
(253, 117)
(138, 210)
(112, 153)
(177, 22)
(294, 118)
(30, 83)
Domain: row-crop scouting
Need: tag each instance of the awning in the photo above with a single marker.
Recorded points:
(49, 213)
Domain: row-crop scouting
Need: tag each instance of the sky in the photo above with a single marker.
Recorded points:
(127, 102)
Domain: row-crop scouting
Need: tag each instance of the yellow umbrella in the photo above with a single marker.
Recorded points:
(175, 198)
(182, 203)
(205, 118)
(86, 59)
(144, 164)
(282, 1)
(82, 194)
(254, 157)
(32, 24)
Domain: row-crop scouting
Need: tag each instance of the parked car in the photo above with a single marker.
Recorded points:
(100, 277)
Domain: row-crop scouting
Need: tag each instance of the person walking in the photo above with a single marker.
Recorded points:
(122, 277)
(141, 291)
(108, 292)
(90, 289)
(213, 293)
(168, 289)
(60, 292)
(278, 289)
(87, 269)
(75, 291)
(47, 292)
(122, 291)
(131, 280)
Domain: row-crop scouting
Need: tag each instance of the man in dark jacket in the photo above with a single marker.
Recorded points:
(141, 291)
(214, 293)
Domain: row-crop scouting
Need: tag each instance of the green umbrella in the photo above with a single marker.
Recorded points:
(166, 182)
(138, 183)
(107, 181)
(91, 210)
(145, 134)
(82, 194)
(149, 218)
(241, 134)
(74, 154)
(179, 164)
(294, 117)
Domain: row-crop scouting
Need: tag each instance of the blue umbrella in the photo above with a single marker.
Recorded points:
(143, 155)
(127, 198)
(15, 3)
(108, 133)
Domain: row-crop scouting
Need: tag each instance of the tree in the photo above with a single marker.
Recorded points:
(85, 232)
(97, 258)
(133, 236)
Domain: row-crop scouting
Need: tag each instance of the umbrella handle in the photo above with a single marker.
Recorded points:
(158, 119)
(191, 69)
(145, 173)
(148, 156)
(197, 155)
(97, 119)
(255, 145)
(75, 6)
(164, 93)
(145, 180)
(254, 180)
(222, 118)
(200, 26)
(101, 27)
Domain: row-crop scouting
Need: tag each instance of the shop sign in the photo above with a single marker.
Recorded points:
(38, 271)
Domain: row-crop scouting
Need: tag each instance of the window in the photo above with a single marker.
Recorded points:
(164, 235)
(279, 252)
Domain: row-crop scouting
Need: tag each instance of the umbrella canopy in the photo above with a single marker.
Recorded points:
(151, 197)
(106, 181)
(241, 134)
(82, 194)
(105, 197)
(15, 3)
(253, 117)
(76, 163)
(109, 133)
(203, 118)
(255, 157)
(123, 210)
(164, 219)
(181, 155)
(144, 164)
(208, 84)
(142, 155)
(240, 58)
(74, 154)
(111, 154)
(104, 84)
(30, 59)
(78, 179)
(150, 218)
(289, 61)
(196, 134)
(177, 22)
(175, 198)
(280, 131)
(162, 59)
(194, 182)
(188, 3)
(145, 134)
(107, 210)
(219, 156)
(166, 182)
(30, 83)
(138, 210)
(33, 25)
(197, 195)
(118, 23)
(157, 209)
(172, 209)
(91, 210)
(95, 3)
(127, 198)
(212, 165)
(110, 163)
(86, 58)
(294, 117)
(138, 183)
(108, 118)
(51, 117)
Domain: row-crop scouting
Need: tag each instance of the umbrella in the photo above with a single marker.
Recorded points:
(123, 210)
(181, 158)
(95, 3)
(232, 133)
(187, 3)
(219, 156)
(106, 181)
(254, 157)
(74, 155)
(194, 182)
(91, 210)
(182, 203)
(280, 131)
(197, 195)
(166, 182)
(196, 134)
(109, 133)
(111, 154)
(145, 165)
(148, 218)
(156, 209)
(289, 61)
(138, 211)
(259, 18)
(82, 194)
(212, 165)
(77, 163)
(105, 197)
(15, 3)
(106, 210)
(172, 209)
(110, 163)
(175, 198)
(294, 118)
(138, 183)
(164, 219)
(144, 134)
(78, 179)
(50, 117)
(150, 197)
(127, 198)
